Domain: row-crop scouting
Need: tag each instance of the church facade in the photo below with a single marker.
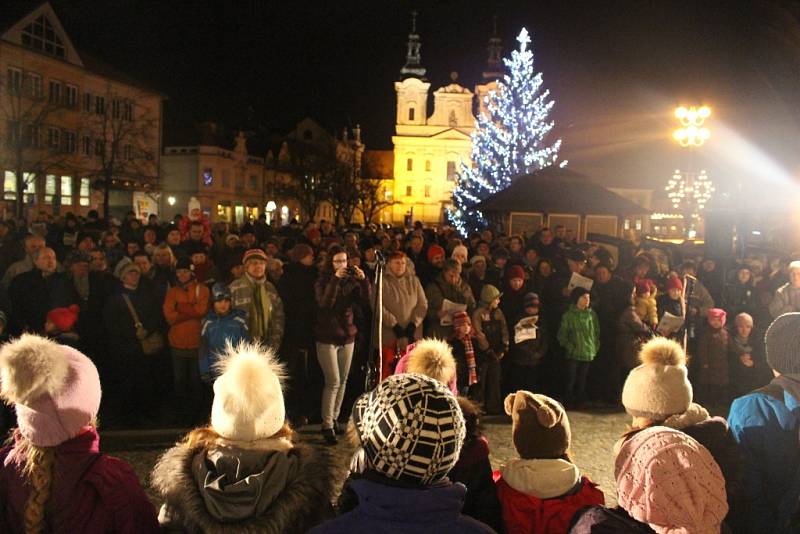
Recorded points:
(429, 150)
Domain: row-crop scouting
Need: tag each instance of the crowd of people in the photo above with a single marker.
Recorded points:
(225, 321)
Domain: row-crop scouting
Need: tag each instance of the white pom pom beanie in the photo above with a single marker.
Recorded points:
(248, 398)
(659, 387)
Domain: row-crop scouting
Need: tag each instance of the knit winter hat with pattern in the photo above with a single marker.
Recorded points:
(55, 389)
(783, 344)
(659, 387)
(248, 397)
(539, 425)
(411, 428)
(671, 482)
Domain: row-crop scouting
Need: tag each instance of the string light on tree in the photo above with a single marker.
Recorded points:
(690, 191)
(509, 138)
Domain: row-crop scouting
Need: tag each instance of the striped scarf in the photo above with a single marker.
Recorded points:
(469, 351)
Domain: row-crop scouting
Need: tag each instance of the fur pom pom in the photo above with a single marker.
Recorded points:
(31, 366)
(661, 350)
(433, 358)
(248, 372)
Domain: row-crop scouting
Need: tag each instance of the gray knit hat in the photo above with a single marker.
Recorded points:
(783, 343)
(411, 428)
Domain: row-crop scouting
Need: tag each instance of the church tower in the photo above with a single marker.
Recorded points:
(494, 68)
(412, 90)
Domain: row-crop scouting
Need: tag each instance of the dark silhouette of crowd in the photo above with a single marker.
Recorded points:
(267, 329)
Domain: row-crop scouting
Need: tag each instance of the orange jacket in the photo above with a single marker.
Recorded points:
(184, 309)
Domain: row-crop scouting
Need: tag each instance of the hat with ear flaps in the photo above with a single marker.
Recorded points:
(539, 425)
(55, 389)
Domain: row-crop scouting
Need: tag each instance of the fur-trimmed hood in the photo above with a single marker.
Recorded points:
(194, 498)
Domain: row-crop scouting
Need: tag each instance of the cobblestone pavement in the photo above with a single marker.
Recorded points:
(593, 436)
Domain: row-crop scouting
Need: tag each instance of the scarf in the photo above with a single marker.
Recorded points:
(469, 351)
(260, 308)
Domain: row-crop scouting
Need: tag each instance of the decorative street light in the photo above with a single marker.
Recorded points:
(692, 190)
(692, 132)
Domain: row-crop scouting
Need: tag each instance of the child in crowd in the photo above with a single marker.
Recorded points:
(747, 368)
(645, 302)
(579, 334)
(672, 302)
(431, 357)
(467, 353)
(666, 482)
(541, 490)
(52, 476)
(223, 325)
(490, 325)
(244, 471)
(712, 360)
(530, 345)
(400, 491)
(60, 325)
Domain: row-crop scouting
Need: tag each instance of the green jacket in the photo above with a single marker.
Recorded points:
(579, 334)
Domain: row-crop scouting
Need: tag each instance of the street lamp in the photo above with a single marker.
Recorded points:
(171, 200)
(692, 131)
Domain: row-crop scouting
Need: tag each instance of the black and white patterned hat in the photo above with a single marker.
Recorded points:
(411, 428)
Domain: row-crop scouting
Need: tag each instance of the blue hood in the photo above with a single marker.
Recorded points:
(410, 505)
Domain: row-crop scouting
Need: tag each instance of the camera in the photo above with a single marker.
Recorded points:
(351, 271)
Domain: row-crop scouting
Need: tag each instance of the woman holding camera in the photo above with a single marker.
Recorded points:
(338, 288)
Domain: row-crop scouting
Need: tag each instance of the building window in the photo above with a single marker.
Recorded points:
(128, 152)
(14, 81)
(411, 114)
(427, 191)
(208, 176)
(627, 224)
(87, 102)
(33, 137)
(100, 105)
(12, 133)
(451, 171)
(99, 147)
(226, 178)
(253, 182)
(53, 138)
(40, 35)
(127, 110)
(408, 190)
(427, 165)
(33, 85)
(86, 146)
(49, 188)
(55, 92)
(409, 164)
(66, 190)
(387, 195)
(84, 192)
(70, 142)
(638, 224)
(115, 108)
(72, 97)
(9, 186)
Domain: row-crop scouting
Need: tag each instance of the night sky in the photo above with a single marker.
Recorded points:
(616, 70)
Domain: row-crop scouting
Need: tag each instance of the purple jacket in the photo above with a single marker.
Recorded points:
(90, 492)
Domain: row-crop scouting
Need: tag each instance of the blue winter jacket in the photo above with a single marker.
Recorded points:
(388, 510)
(766, 430)
(217, 330)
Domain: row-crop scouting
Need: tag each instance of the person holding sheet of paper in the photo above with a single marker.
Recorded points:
(671, 302)
(445, 295)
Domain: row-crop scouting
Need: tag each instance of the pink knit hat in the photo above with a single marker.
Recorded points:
(669, 481)
(55, 388)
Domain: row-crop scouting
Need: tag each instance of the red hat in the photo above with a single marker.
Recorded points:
(717, 313)
(461, 318)
(64, 318)
(643, 286)
(254, 254)
(515, 271)
(433, 251)
(673, 282)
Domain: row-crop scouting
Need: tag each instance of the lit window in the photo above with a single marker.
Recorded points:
(10, 186)
(49, 188)
(627, 224)
(30, 186)
(409, 164)
(40, 35)
(451, 171)
(427, 191)
(411, 114)
(84, 192)
(408, 190)
(638, 224)
(66, 190)
(428, 165)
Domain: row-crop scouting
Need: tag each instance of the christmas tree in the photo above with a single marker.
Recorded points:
(508, 139)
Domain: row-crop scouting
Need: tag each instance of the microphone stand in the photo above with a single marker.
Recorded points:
(374, 366)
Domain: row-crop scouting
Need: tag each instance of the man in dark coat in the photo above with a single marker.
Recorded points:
(34, 293)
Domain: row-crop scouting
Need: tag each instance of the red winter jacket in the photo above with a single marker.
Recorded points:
(90, 493)
(526, 514)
